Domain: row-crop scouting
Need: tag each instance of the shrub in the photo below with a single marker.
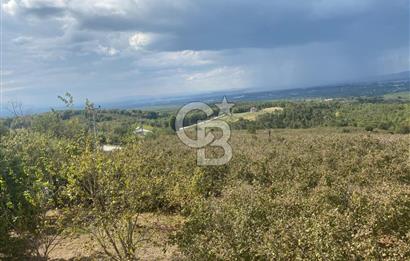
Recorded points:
(319, 204)
(404, 129)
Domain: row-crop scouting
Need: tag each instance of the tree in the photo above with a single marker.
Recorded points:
(172, 122)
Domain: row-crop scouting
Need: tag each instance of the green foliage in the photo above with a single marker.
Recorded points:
(30, 186)
(104, 199)
(291, 194)
(172, 122)
(393, 117)
(343, 197)
(67, 99)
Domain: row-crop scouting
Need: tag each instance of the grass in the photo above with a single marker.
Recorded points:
(398, 96)
(251, 116)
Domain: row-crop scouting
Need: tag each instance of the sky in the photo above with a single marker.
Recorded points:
(109, 50)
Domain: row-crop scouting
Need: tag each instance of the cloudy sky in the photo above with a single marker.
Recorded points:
(108, 50)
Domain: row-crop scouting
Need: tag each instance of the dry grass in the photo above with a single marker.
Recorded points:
(272, 109)
(251, 116)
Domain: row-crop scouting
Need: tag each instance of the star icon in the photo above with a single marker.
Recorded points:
(224, 107)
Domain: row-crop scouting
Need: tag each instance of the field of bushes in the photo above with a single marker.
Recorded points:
(308, 194)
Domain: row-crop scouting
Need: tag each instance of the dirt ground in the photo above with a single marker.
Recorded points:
(81, 246)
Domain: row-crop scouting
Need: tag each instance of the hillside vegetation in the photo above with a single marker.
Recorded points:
(313, 193)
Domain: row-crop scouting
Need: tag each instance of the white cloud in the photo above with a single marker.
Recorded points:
(43, 3)
(21, 40)
(13, 7)
(10, 7)
(92, 8)
(221, 72)
(139, 40)
(105, 50)
(12, 89)
(188, 57)
(9, 86)
(220, 78)
(179, 58)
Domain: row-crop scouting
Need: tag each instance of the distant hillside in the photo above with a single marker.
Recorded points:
(336, 91)
(347, 90)
(401, 76)
(379, 86)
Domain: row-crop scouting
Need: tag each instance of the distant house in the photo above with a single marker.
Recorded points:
(253, 109)
(140, 131)
(109, 148)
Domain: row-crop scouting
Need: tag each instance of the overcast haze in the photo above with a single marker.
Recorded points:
(109, 50)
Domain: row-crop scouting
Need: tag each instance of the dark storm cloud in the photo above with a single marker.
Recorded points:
(216, 25)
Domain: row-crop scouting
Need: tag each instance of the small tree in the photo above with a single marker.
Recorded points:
(105, 202)
(172, 122)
